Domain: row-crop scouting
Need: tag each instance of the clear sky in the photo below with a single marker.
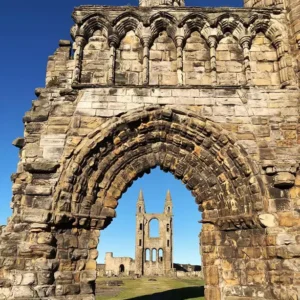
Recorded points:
(30, 31)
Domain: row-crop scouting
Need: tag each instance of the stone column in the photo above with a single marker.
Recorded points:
(78, 56)
(113, 43)
(212, 42)
(285, 64)
(179, 43)
(76, 257)
(245, 43)
(210, 237)
(146, 56)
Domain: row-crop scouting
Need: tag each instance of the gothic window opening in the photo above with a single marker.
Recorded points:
(154, 228)
(160, 255)
(168, 227)
(140, 242)
(141, 226)
(154, 255)
(168, 243)
(147, 255)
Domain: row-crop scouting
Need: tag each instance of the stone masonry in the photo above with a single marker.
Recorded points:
(208, 94)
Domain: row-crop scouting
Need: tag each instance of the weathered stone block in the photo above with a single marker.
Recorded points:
(22, 292)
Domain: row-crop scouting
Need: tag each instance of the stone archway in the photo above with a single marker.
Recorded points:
(208, 160)
(122, 269)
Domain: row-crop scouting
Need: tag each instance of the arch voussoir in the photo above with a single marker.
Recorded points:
(198, 152)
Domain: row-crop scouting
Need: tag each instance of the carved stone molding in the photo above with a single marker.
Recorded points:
(284, 174)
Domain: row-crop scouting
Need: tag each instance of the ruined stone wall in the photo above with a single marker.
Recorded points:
(113, 265)
(233, 141)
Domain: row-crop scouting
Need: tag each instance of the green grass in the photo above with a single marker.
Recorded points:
(163, 289)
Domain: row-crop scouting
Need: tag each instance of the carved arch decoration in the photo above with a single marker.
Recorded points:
(148, 28)
(208, 160)
(127, 22)
(273, 30)
(193, 22)
(94, 23)
(231, 23)
(160, 22)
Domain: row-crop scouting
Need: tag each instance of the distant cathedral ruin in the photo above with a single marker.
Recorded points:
(153, 254)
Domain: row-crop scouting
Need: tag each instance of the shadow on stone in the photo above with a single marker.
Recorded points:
(176, 294)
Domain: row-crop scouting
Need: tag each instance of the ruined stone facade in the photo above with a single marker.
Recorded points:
(153, 254)
(210, 95)
(118, 266)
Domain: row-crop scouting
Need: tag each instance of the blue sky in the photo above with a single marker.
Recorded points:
(30, 31)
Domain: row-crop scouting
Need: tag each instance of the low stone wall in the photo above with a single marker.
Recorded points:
(189, 274)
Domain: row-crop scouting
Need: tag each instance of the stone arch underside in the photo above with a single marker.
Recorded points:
(205, 157)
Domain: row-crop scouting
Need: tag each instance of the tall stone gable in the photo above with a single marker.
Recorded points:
(208, 94)
(154, 255)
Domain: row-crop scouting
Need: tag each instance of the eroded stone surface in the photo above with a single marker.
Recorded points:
(210, 95)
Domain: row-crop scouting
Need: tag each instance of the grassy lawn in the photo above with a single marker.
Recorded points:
(162, 289)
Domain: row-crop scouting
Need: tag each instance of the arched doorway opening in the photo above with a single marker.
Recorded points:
(122, 269)
(208, 160)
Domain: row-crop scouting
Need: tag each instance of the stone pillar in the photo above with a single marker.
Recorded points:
(146, 55)
(285, 64)
(113, 42)
(78, 56)
(245, 43)
(179, 43)
(210, 238)
(76, 255)
(212, 42)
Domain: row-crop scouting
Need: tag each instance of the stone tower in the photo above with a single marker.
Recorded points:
(159, 259)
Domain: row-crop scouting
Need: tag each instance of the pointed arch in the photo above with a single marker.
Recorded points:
(231, 23)
(126, 15)
(162, 21)
(272, 29)
(93, 23)
(154, 228)
(193, 22)
(128, 22)
(206, 158)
